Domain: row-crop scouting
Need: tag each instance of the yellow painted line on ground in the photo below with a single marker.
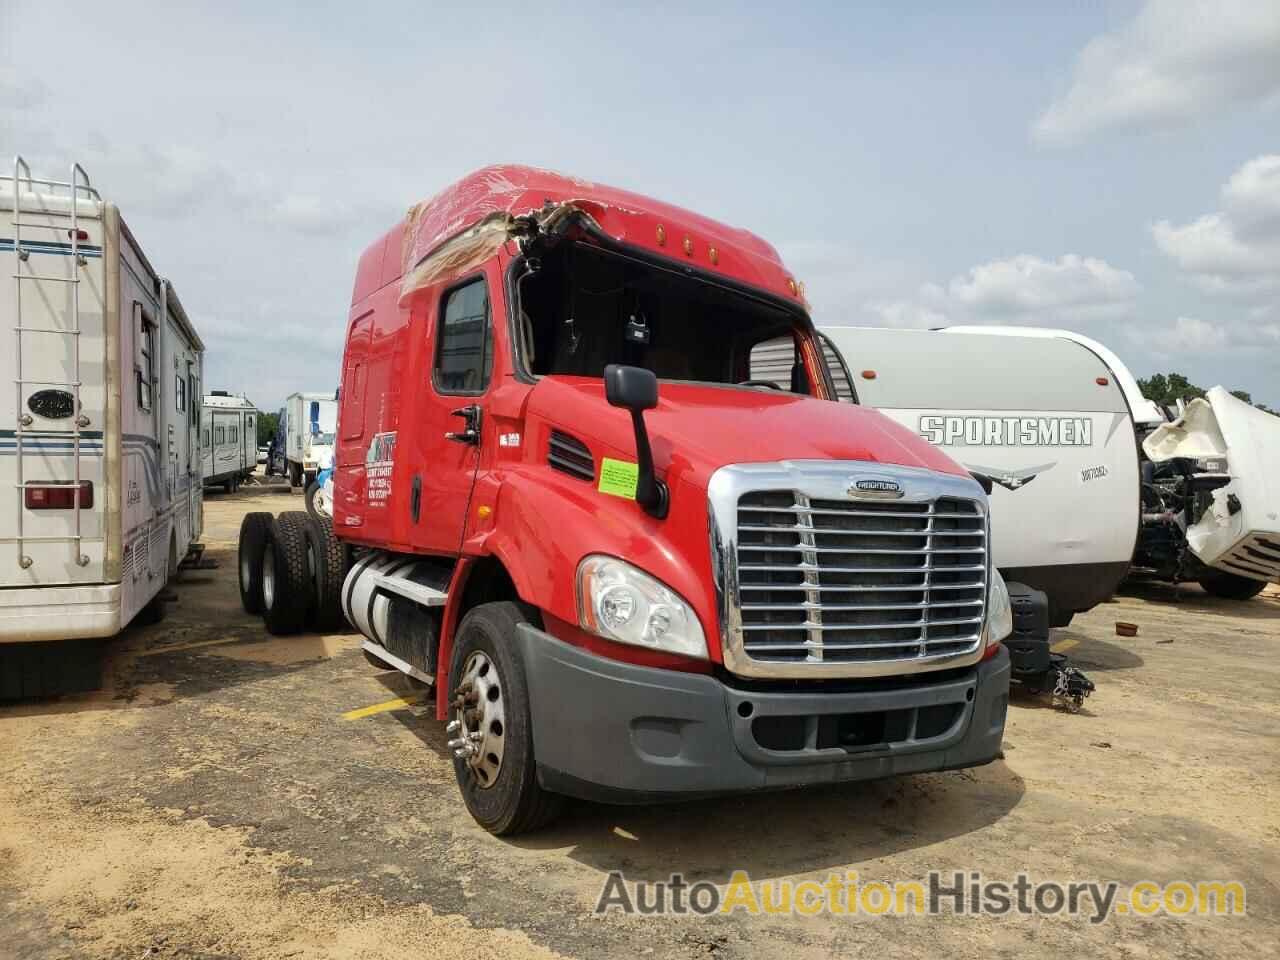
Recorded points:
(1064, 645)
(399, 703)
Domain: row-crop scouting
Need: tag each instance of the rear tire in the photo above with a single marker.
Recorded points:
(254, 530)
(330, 560)
(288, 593)
(512, 801)
(1229, 586)
(295, 474)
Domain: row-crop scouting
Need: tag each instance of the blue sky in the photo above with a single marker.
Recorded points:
(1112, 168)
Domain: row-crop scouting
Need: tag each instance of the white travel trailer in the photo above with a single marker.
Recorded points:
(1042, 418)
(228, 440)
(311, 419)
(98, 430)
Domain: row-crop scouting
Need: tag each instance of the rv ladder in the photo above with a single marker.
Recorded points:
(79, 181)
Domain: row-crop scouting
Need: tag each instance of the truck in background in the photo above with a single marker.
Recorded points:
(309, 423)
(99, 452)
(632, 571)
(228, 440)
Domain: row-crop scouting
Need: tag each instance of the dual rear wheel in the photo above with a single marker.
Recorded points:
(291, 570)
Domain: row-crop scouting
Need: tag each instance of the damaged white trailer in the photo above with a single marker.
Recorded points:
(1211, 497)
(98, 449)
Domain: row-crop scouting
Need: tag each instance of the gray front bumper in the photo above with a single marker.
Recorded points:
(615, 732)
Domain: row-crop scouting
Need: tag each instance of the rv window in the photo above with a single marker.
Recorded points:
(464, 352)
(180, 394)
(194, 394)
(219, 435)
(233, 434)
(144, 369)
(248, 428)
(204, 438)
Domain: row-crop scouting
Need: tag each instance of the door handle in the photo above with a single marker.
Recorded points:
(470, 434)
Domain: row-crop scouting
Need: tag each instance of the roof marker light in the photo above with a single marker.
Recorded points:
(81, 235)
(688, 247)
(1102, 381)
(714, 254)
(662, 235)
(868, 374)
(791, 285)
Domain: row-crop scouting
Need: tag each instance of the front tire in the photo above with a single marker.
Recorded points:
(491, 726)
(1229, 586)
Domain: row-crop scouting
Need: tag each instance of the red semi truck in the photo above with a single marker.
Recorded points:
(632, 569)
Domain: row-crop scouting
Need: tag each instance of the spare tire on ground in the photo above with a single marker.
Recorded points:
(288, 590)
(329, 560)
(254, 529)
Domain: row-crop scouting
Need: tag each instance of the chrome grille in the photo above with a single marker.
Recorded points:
(858, 581)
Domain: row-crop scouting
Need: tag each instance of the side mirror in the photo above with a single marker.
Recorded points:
(634, 388)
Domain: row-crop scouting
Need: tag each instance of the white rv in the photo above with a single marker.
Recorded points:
(311, 419)
(1043, 419)
(98, 432)
(228, 440)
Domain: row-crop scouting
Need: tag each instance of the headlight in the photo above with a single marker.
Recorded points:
(618, 602)
(999, 610)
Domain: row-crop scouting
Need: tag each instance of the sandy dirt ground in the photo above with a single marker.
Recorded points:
(213, 801)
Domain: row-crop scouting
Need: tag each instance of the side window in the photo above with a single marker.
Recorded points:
(204, 438)
(233, 434)
(464, 340)
(353, 422)
(180, 394)
(219, 435)
(839, 371)
(194, 394)
(249, 433)
(144, 363)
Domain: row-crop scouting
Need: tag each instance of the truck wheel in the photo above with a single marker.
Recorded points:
(287, 590)
(295, 474)
(1229, 586)
(254, 529)
(490, 733)
(329, 559)
(313, 489)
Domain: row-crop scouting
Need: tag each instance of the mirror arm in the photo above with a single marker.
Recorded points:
(651, 493)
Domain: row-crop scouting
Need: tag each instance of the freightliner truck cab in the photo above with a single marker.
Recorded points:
(631, 568)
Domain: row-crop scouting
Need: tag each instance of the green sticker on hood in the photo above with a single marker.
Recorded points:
(618, 478)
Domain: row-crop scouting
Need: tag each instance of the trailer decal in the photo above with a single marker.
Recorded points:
(1011, 479)
(1007, 431)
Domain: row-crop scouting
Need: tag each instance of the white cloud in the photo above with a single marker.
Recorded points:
(1023, 290)
(1234, 252)
(1175, 62)
(1190, 335)
(1027, 285)
(905, 314)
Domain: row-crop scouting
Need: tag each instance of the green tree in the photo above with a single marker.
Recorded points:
(1167, 389)
(267, 423)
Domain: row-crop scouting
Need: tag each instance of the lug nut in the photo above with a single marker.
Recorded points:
(453, 727)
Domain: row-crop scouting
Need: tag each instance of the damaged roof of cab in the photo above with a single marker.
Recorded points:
(469, 221)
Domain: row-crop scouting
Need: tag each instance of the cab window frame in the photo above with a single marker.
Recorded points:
(489, 341)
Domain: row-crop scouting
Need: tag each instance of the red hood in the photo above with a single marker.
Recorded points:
(696, 429)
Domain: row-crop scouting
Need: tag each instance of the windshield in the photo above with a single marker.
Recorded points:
(585, 308)
(323, 439)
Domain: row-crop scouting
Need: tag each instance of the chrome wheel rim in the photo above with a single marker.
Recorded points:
(268, 580)
(479, 719)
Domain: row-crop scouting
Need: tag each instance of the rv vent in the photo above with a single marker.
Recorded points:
(570, 455)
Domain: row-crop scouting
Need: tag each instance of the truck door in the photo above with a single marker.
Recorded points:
(450, 425)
